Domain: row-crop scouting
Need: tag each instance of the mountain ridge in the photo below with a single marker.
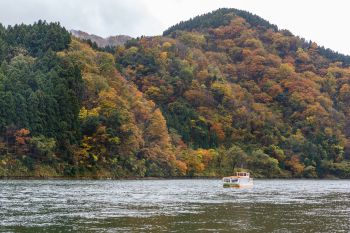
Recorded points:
(100, 41)
(222, 16)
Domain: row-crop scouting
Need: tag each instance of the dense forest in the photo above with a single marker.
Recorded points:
(223, 91)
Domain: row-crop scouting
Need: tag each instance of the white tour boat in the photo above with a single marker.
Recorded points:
(241, 179)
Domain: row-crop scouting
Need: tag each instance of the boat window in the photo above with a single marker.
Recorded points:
(242, 174)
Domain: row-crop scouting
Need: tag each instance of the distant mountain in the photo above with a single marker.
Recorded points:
(100, 41)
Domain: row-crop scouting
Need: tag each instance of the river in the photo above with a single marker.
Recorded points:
(187, 205)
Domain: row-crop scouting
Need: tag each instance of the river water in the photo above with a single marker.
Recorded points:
(174, 206)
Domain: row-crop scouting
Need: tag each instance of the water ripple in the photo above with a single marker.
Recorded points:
(159, 205)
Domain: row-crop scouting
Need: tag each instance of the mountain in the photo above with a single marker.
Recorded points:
(220, 92)
(229, 80)
(100, 41)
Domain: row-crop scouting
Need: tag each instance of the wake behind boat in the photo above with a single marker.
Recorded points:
(241, 179)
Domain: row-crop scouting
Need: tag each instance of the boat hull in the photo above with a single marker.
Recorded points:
(228, 185)
(231, 185)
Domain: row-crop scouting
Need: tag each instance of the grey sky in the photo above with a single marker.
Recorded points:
(323, 21)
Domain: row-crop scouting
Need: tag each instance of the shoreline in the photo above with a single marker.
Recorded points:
(156, 178)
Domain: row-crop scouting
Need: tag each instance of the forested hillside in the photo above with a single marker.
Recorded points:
(251, 95)
(220, 92)
(40, 97)
(66, 111)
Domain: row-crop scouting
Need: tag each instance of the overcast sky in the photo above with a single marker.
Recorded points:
(323, 21)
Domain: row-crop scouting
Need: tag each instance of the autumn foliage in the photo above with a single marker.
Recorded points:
(221, 92)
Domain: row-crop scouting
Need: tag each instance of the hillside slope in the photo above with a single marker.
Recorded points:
(66, 111)
(266, 99)
(123, 133)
